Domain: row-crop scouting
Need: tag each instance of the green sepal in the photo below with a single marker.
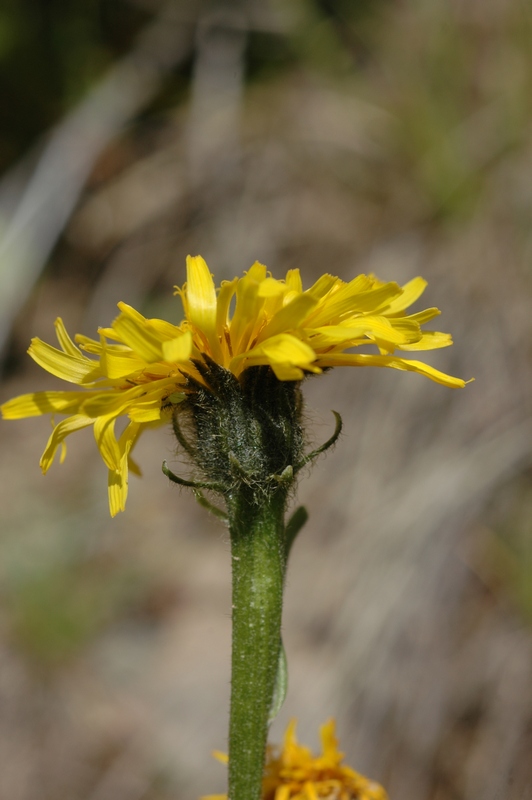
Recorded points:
(212, 509)
(281, 685)
(329, 443)
(286, 476)
(293, 526)
(213, 487)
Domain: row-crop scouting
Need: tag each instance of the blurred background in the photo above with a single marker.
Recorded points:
(340, 136)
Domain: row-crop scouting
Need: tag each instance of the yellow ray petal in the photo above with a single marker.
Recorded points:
(61, 430)
(293, 281)
(89, 345)
(349, 301)
(364, 360)
(178, 349)
(430, 340)
(74, 369)
(329, 742)
(411, 292)
(271, 287)
(38, 403)
(334, 336)
(289, 317)
(290, 738)
(247, 313)
(421, 317)
(64, 339)
(164, 330)
(257, 272)
(201, 300)
(374, 300)
(286, 372)
(378, 328)
(407, 326)
(118, 365)
(109, 333)
(134, 330)
(118, 479)
(130, 436)
(117, 489)
(283, 350)
(104, 433)
(323, 286)
(227, 290)
(147, 411)
(114, 403)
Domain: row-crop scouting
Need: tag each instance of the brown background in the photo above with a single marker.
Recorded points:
(392, 138)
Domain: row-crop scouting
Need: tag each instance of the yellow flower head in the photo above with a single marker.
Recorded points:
(293, 773)
(142, 368)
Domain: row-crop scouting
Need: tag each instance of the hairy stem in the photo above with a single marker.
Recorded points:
(258, 554)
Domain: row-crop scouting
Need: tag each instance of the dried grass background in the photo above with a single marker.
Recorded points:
(399, 145)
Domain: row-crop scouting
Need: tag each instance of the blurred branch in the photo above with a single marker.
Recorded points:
(30, 232)
(217, 85)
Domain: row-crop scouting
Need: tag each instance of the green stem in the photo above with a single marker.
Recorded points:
(256, 524)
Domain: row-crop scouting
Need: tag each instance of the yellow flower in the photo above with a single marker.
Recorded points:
(293, 773)
(141, 368)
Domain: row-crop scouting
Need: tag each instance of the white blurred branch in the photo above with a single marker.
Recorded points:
(37, 217)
